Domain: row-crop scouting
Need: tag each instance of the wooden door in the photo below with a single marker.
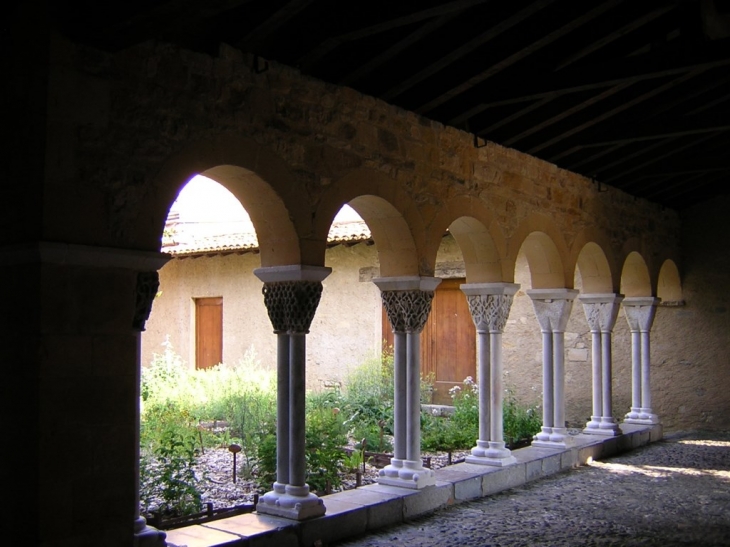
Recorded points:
(208, 332)
(448, 341)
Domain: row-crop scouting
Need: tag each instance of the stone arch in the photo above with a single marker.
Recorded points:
(595, 271)
(669, 285)
(256, 177)
(635, 278)
(481, 241)
(546, 253)
(390, 214)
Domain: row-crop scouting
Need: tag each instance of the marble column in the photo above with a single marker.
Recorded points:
(601, 312)
(148, 284)
(291, 295)
(407, 302)
(489, 304)
(552, 308)
(640, 313)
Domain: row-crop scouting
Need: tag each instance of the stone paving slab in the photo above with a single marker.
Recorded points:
(593, 505)
(671, 493)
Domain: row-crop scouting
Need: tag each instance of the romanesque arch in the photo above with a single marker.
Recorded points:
(479, 238)
(545, 250)
(391, 215)
(259, 180)
(669, 286)
(635, 278)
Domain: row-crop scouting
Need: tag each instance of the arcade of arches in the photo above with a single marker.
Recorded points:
(109, 140)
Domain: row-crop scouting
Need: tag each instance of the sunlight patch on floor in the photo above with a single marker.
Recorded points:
(658, 471)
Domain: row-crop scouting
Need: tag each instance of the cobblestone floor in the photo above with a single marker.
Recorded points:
(675, 492)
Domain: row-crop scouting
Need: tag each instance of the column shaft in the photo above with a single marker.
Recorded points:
(635, 373)
(607, 381)
(558, 382)
(597, 372)
(496, 388)
(282, 412)
(484, 383)
(297, 410)
(413, 397)
(400, 394)
(645, 373)
(547, 380)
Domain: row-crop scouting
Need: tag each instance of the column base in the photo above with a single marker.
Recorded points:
(411, 475)
(606, 427)
(543, 435)
(558, 438)
(147, 536)
(643, 419)
(490, 453)
(296, 503)
(633, 414)
(391, 470)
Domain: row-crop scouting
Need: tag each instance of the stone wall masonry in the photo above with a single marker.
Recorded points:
(156, 99)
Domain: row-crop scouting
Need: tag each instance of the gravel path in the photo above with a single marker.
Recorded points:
(671, 493)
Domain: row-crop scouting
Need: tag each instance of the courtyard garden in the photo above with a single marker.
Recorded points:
(208, 437)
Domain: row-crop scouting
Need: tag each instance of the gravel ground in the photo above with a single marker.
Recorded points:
(214, 468)
(671, 493)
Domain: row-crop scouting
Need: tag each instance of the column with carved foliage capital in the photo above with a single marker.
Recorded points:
(489, 305)
(407, 301)
(640, 312)
(291, 295)
(552, 308)
(601, 311)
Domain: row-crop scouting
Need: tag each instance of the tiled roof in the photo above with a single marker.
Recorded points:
(190, 240)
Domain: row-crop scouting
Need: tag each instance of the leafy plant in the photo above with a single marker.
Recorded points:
(520, 422)
(169, 478)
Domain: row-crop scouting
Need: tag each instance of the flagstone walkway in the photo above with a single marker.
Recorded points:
(675, 492)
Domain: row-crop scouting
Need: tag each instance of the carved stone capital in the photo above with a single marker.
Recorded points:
(407, 310)
(148, 283)
(601, 310)
(640, 311)
(552, 307)
(291, 305)
(489, 304)
(407, 301)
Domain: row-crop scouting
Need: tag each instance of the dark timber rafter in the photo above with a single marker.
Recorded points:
(468, 47)
(518, 56)
(307, 61)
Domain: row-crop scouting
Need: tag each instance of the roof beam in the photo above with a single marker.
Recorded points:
(264, 31)
(518, 56)
(468, 47)
(606, 75)
(612, 112)
(397, 48)
(656, 158)
(311, 58)
(666, 128)
(626, 29)
(565, 113)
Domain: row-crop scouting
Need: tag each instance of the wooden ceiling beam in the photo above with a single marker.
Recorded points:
(612, 112)
(518, 56)
(613, 36)
(265, 30)
(468, 47)
(566, 113)
(607, 75)
(312, 57)
(397, 48)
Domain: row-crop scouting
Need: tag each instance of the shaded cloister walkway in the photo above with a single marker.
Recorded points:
(669, 493)
(640, 488)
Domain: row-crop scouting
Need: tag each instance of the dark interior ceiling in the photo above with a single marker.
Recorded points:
(631, 93)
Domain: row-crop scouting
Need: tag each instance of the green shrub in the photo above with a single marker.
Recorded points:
(520, 423)
(169, 482)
